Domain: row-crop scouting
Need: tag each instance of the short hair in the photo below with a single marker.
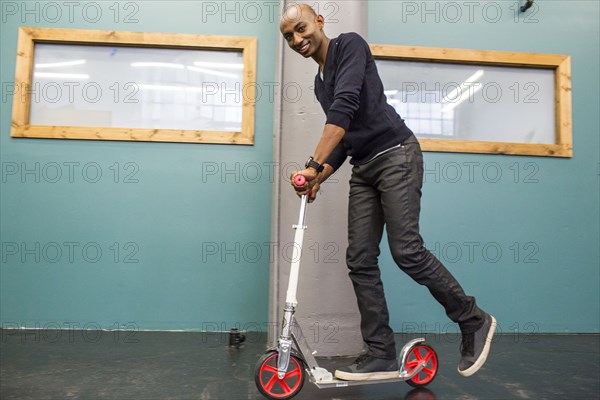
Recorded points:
(300, 7)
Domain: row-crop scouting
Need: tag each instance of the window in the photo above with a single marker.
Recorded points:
(134, 86)
(480, 101)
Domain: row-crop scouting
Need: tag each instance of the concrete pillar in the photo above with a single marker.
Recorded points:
(327, 310)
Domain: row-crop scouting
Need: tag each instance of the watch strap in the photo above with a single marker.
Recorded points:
(311, 163)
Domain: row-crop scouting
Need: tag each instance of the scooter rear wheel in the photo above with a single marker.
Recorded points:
(420, 353)
(269, 384)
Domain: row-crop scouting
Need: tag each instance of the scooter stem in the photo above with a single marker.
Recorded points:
(296, 253)
(285, 340)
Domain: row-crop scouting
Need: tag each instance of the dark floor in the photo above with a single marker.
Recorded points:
(169, 365)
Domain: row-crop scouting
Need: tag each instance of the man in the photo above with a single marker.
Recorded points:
(385, 189)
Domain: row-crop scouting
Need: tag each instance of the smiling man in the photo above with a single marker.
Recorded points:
(385, 190)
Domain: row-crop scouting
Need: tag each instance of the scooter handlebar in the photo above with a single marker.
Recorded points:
(299, 180)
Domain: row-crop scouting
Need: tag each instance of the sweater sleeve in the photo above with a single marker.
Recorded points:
(337, 157)
(352, 53)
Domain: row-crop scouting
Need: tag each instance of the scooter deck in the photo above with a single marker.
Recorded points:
(334, 383)
(323, 378)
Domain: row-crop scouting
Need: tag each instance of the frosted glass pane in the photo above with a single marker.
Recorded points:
(137, 87)
(472, 102)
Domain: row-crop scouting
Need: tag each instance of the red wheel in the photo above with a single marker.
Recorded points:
(420, 353)
(269, 384)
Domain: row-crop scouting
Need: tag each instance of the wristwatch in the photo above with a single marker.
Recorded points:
(311, 163)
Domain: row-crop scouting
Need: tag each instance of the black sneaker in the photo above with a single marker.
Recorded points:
(475, 347)
(368, 368)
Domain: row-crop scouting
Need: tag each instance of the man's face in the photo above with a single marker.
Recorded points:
(302, 30)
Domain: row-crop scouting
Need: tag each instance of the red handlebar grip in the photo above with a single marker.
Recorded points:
(299, 180)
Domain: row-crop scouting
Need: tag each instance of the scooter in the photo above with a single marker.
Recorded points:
(280, 372)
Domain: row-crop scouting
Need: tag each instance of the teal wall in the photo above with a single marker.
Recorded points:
(167, 210)
(545, 220)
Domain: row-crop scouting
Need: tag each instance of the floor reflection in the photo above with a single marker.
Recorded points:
(420, 394)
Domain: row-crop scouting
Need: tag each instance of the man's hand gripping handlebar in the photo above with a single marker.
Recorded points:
(303, 186)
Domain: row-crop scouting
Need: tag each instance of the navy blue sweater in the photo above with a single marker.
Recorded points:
(351, 94)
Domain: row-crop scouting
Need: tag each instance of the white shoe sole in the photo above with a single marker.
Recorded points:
(486, 350)
(366, 376)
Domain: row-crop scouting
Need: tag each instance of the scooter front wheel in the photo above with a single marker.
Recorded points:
(418, 354)
(269, 384)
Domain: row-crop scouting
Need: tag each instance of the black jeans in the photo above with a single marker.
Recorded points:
(387, 191)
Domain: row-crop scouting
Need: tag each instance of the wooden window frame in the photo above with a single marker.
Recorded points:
(28, 37)
(561, 64)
